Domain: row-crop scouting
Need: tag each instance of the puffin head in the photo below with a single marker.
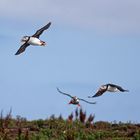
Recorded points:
(24, 38)
(74, 100)
(103, 87)
(74, 103)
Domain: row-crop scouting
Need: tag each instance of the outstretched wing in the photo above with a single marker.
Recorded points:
(98, 93)
(118, 87)
(87, 101)
(22, 48)
(123, 90)
(40, 31)
(64, 93)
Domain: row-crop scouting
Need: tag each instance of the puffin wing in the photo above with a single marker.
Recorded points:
(87, 101)
(118, 87)
(123, 90)
(64, 93)
(98, 93)
(22, 48)
(40, 31)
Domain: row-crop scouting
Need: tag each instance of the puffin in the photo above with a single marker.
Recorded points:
(108, 87)
(32, 40)
(74, 100)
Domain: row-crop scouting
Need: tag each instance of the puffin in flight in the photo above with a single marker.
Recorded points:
(32, 40)
(108, 87)
(74, 100)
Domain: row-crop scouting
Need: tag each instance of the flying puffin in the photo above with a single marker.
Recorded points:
(74, 100)
(108, 87)
(33, 40)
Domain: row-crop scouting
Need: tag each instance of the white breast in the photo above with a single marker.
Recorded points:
(34, 41)
(112, 89)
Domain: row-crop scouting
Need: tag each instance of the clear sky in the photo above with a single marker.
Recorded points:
(89, 43)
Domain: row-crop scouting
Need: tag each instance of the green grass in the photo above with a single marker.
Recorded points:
(76, 127)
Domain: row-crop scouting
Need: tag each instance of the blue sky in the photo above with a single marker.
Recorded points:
(89, 43)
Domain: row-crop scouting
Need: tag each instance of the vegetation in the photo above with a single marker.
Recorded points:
(76, 127)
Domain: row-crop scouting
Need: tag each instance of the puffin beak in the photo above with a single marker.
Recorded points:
(78, 105)
(69, 102)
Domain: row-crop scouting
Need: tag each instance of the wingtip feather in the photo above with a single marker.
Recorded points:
(17, 53)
